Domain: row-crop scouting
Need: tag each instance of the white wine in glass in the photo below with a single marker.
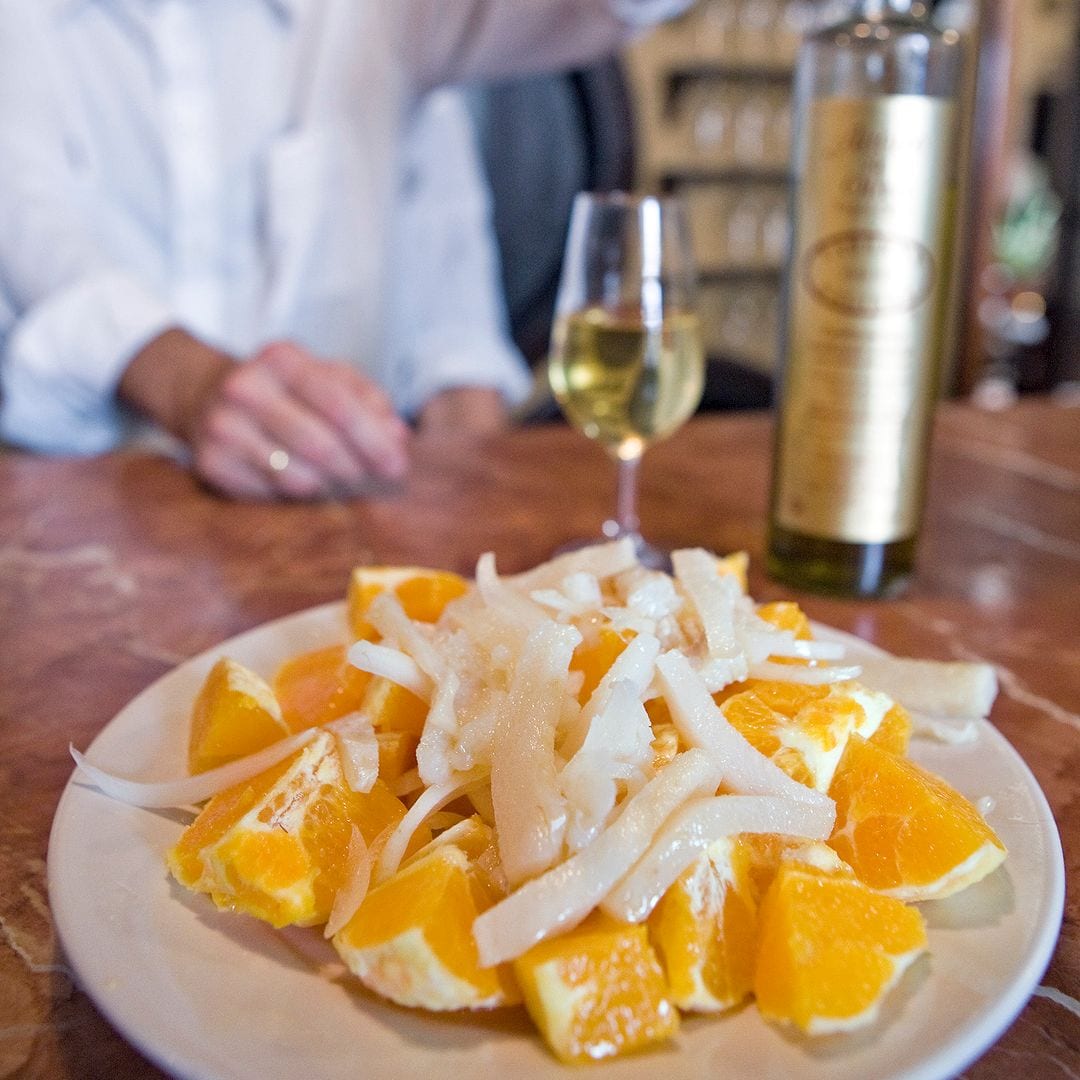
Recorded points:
(627, 363)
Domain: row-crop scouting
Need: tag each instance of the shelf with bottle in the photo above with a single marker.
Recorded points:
(718, 125)
(739, 231)
(740, 321)
(740, 34)
(713, 97)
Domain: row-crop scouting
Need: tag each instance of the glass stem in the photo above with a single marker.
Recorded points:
(626, 505)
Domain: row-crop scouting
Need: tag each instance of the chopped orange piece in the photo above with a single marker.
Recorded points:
(787, 615)
(803, 729)
(769, 851)
(597, 991)
(235, 714)
(665, 745)
(894, 732)
(830, 949)
(423, 593)
(906, 832)
(659, 713)
(393, 708)
(593, 657)
(317, 687)
(471, 836)
(397, 753)
(704, 930)
(411, 939)
(275, 847)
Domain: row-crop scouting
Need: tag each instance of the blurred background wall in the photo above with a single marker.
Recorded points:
(702, 106)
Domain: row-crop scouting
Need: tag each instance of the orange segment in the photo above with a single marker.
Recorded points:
(423, 593)
(830, 949)
(894, 732)
(235, 714)
(317, 687)
(804, 729)
(593, 657)
(704, 930)
(397, 753)
(216, 818)
(906, 832)
(276, 847)
(411, 939)
(787, 615)
(393, 708)
(665, 745)
(597, 991)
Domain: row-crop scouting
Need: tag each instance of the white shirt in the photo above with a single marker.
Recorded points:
(237, 167)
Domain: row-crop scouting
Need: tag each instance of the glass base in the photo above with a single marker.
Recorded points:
(655, 558)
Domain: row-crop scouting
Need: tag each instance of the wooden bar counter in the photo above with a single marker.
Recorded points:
(115, 569)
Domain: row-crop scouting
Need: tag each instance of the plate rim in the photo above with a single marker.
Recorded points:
(974, 1038)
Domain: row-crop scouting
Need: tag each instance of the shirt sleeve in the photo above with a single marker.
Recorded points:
(447, 315)
(484, 39)
(70, 320)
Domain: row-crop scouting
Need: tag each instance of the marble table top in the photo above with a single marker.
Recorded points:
(114, 569)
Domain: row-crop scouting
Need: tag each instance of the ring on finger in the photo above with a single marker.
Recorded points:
(278, 459)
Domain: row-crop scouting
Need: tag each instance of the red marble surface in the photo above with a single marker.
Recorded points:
(114, 569)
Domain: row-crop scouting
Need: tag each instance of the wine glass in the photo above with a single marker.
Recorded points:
(627, 364)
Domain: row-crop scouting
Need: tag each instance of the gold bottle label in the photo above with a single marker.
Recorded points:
(865, 308)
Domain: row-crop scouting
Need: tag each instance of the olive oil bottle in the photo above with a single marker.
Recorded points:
(865, 297)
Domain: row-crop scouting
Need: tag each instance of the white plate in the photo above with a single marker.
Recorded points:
(206, 994)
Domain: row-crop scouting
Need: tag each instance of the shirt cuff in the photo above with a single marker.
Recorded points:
(63, 361)
(642, 13)
(489, 365)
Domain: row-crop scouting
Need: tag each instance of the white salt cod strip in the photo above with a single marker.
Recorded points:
(358, 749)
(810, 676)
(701, 723)
(697, 825)
(562, 897)
(599, 560)
(713, 597)
(953, 689)
(387, 615)
(529, 809)
(634, 665)
(391, 664)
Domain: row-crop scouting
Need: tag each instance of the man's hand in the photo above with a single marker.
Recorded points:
(463, 412)
(283, 424)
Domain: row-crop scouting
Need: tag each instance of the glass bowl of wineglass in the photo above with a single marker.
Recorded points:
(627, 364)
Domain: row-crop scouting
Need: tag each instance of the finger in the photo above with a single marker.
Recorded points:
(232, 476)
(363, 415)
(356, 407)
(287, 422)
(235, 442)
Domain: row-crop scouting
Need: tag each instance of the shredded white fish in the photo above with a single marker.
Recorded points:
(699, 824)
(392, 664)
(529, 808)
(358, 749)
(948, 689)
(701, 723)
(951, 731)
(810, 676)
(561, 898)
(579, 807)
